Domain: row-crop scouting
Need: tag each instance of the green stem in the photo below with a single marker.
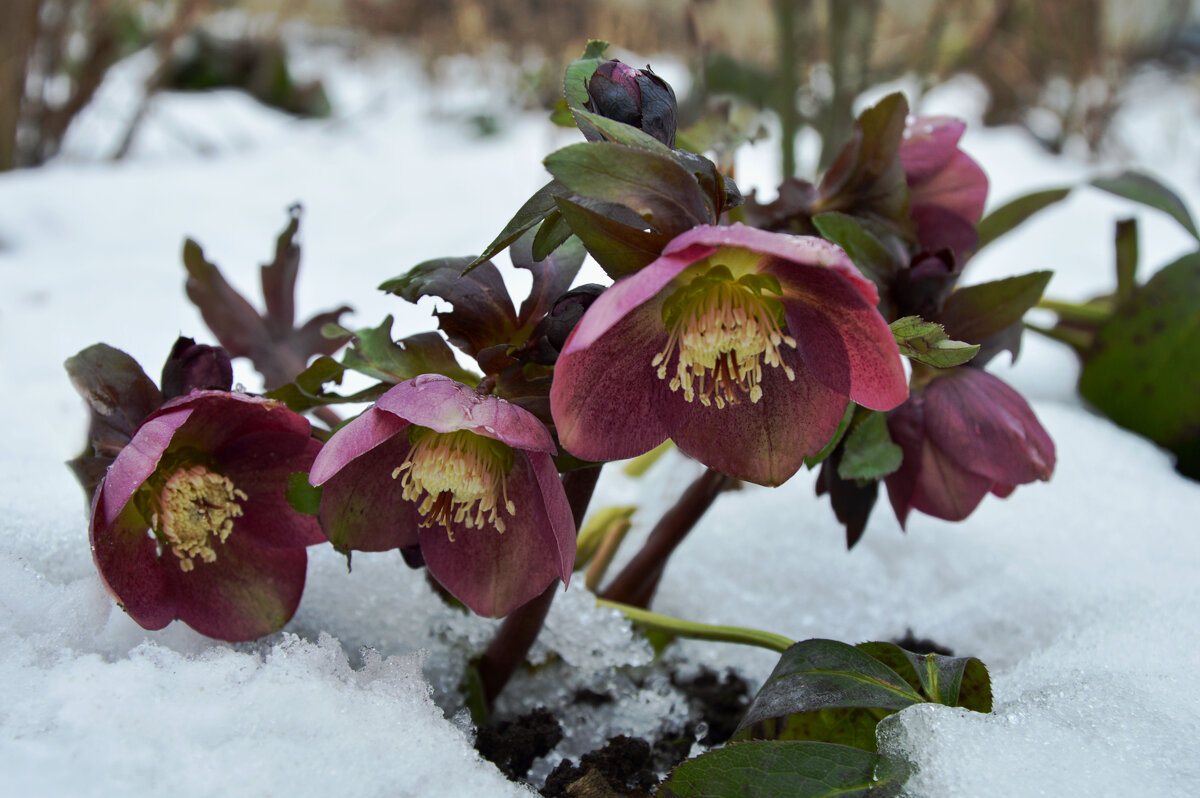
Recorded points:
(1070, 311)
(1079, 341)
(699, 631)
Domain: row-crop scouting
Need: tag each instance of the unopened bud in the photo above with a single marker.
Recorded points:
(192, 366)
(636, 97)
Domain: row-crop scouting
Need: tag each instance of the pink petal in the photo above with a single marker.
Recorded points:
(129, 565)
(561, 535)
(491, 572)
(765, 442)
(222, 416)
(844, 341)
(352, 441)
(261, 470)
(929, 144)
(445, 405)
(945, 489)
(250, 590)
(961, 188)
(362, 508)
(606, 399)
(906, 426)
(938, 228)
(137, 461)
(987, 427)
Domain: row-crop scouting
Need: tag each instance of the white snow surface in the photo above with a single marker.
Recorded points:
(1080, 595)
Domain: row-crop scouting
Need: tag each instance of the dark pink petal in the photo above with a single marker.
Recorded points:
(929, 144)
(987, 427)
(491, 572)
(137, 461)
(250, 590)
(128, 563)
(607, 400)
(938, 228)
(844, 341)
(628, 294)
(945, 489)
(219, 417)
(797, 249)
(260, 467)
(354, 440)
(765, 442)
(906, 426)
(961, 188)
(558, 512)
(445, 405)
(362, 507)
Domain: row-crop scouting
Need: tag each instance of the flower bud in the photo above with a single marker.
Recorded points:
(636, 97)
(192, 366)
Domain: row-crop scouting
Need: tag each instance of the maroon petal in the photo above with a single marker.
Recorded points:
(362, 507)
(906, 426)
(929, 144)
(765, 442)
(607, 400)
(219, 417)
(250, 590)
(136, 462)
(261, 471)
(844, 341)
(938, 229)
(127, 559)
(445, 405)
(944, 488)
(491, 572)
(796, 249)
(352, 441)
(987, 427)
(558, 512)
(961, 187)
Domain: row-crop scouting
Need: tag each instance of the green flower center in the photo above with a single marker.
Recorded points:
(194, 507)
(456, 477)
(724, 329)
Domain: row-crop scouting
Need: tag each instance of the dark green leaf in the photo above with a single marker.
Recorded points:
(1127, 257)
(552, 274)
(551, 233)
(116, 389)
(795, 769)
(952, 681)
(868, 252)
(978, 312)
(869, 451)
(579, 72)
(654, 186)
(308, 389)
(531, 213)
(375, 354)
(301, 496)
(617, 247)
(928, 343)
(618, 132)
(279, 279)
(1015, 212)
(1143, 370)
(483, 314)
(819, 674)
(1148, 191)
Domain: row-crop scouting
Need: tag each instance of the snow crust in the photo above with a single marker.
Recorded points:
(1079, 595)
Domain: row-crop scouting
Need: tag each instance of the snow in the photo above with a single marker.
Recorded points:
(1079, 595)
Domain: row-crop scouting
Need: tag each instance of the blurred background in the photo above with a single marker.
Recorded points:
(1059, 70)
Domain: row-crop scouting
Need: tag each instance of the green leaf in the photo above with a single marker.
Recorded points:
(815, 675)
(116, 389)
(838, 434)
(928, 343)
(659, 190)
(1015, 212)
(770, 769)
(553, 231)
(1127, 257)
(301, 496)
(1143, 370)
(375, 354)
(618, 132)
(952, 681)
(308, 389)
(869, 451)
(868, 252)
(579, 72)
(975, 313)
(527, 216)
(617, 247)
(1142, 188)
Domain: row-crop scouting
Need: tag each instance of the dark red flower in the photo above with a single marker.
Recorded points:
(946, 188)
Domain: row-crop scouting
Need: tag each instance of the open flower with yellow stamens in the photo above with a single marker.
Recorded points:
(192, 519)
(744, 346)
(466, 476)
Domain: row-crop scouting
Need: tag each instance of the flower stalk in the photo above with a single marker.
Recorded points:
(699, 631)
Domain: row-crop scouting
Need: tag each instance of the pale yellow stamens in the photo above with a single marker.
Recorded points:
(724, 330)
(457, 477)
(194, 506)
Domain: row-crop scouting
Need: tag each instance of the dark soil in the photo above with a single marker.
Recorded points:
(513, 745)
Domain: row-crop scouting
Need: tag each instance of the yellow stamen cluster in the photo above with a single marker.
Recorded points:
(193, 506)
(456, 477)
(723, 329)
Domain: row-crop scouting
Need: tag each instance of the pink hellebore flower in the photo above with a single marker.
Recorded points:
(947, 189)
(743, 346)
(965, 434)
(192, 520)
(467, 476)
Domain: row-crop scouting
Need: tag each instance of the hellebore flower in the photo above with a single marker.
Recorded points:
(192, 520)
(964, 434)
(466, 476)
(743, 346)
(636, 97)
(947, 189)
